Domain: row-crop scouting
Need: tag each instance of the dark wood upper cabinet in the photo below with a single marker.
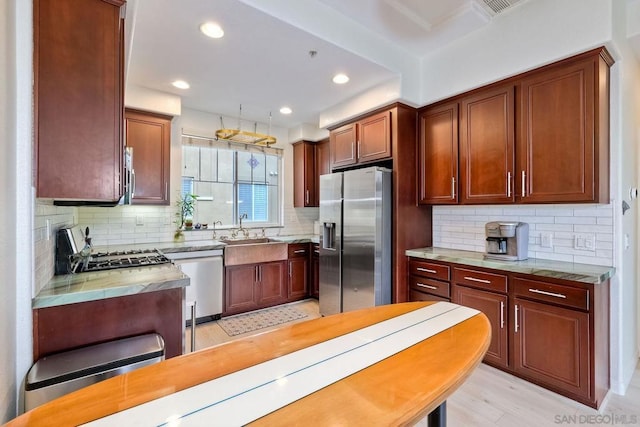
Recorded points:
(563, 149)
(374, 137)
(149, 135)
(487, 139)
(310, 160)
(323, 164)
(538, 137)
(343, 142)
(304, 174)
(438, 155)
(78, 91)
(364, 141)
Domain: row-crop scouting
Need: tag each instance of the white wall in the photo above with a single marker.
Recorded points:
(530, 35)
(625, 112)
(16, 236)
(7, 198)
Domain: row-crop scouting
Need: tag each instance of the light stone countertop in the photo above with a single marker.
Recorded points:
(82, 287)
(585, 273)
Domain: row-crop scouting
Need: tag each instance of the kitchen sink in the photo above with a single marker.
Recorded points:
(254, 251)
(234, 242)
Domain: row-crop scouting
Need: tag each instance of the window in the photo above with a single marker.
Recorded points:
(231, 180)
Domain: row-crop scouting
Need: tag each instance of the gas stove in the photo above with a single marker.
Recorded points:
(72, 258)
(123, 259)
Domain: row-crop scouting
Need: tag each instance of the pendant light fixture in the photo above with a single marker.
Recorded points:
(244, 137)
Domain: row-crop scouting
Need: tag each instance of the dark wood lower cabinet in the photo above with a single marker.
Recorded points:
(494, 306)
(551, 346)
(298, 278)
(253, 286)
(69, 326)
(552, 332)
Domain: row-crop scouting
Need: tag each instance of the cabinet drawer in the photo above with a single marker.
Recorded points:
(422, 296)
(298, 250)
(552, 293)
(428, 269)
(430, 286)
(480, 279)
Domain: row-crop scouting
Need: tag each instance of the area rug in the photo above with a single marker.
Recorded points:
(243, 323)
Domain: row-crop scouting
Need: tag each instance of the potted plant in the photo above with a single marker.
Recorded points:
(186, 205)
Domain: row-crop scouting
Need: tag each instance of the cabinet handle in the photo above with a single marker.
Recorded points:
(307, 197)
(453, 187)
(524, 194)
(473, 279)
(358, 153)
(516, 316)
(133, 184)
(290, 274)
(501, 314)
(426, 270)
(300, 251)
(422, 285)
(316, 251)
(551, 294)
(255, 273)
(166, 190)
(508, 184)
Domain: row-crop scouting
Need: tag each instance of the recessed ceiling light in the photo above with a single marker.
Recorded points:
(340, 79)
(211, 29)
(286, 110)
(181, 84)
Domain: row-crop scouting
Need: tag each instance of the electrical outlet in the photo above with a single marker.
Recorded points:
(584, 242)
(139, 219)
(546, 240)
(167, 219)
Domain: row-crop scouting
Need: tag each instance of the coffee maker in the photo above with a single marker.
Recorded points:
(507, 241)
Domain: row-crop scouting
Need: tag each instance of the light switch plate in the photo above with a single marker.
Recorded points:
(139, 219)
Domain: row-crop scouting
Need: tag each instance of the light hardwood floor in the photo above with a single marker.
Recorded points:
(491, 397)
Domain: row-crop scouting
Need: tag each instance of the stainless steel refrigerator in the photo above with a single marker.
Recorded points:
(355, 240)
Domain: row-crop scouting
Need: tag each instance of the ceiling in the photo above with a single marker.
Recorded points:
(263, 62)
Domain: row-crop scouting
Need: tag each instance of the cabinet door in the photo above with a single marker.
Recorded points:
(240, 289)
(557, 145)
(298, 278)
(272, 283)
(304, 161)
(487, 146)
(149, 135)
(323, 165)
(494, 306)
(374, 137)
(343, 145)
(438, 155)
(78, 89)
(551, 345)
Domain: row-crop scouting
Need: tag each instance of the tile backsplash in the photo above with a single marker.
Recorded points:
(576, 233)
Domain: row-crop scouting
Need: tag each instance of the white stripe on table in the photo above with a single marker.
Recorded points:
(246, 395)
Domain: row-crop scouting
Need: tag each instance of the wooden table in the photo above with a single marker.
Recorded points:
(398, 390)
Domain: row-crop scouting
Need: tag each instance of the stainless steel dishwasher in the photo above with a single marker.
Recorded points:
(206, 271)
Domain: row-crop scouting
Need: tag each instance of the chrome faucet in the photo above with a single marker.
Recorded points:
(214, 229)
(243, 216)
